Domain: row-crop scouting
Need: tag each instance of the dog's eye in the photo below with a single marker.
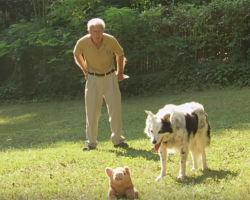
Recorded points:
(151, 131)
(124, 173)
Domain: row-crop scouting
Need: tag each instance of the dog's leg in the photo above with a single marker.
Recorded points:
(184, 154)
(163, 157)
(195, 155)
(204, 160)
(195, 158)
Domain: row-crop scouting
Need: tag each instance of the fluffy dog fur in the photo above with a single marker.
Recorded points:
(183, 128)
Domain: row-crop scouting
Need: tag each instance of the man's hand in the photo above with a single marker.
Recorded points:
(86, 75)
(119, 76)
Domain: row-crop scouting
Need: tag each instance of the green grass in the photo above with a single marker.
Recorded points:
(41, 153)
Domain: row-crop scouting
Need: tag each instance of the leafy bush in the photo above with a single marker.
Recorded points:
(182, 46)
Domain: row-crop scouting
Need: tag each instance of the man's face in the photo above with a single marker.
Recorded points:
(96, 33)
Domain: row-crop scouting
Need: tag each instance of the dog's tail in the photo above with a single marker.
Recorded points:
(208, 132)
(203, 124)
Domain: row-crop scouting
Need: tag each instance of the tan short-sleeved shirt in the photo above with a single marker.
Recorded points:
(98, 60)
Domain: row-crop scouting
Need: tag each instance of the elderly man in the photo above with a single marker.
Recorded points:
(93, 53)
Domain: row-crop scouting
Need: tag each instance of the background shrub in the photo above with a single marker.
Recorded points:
(184, 46)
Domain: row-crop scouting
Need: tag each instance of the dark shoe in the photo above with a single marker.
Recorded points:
(122, 145)
(87, 148)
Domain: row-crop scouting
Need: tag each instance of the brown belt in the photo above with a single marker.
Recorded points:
(95, 74)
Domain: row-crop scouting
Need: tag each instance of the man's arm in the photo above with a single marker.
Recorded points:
(120, 63)
(80, 62)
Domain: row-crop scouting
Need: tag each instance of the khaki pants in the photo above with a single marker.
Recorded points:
(96, 89)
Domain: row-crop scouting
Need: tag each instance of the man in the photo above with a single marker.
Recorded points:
(97, 64)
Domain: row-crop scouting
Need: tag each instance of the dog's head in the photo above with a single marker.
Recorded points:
(156, 127)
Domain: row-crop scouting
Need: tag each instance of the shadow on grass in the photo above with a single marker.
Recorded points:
(41, 132)
(29, 139)
(208, 177)
(134, 153)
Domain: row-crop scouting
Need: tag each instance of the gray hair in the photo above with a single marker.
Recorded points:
(96, 22)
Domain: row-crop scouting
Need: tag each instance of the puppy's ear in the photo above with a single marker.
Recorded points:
(127, 170)
(109, 171)
(166, 118)
(149, 113)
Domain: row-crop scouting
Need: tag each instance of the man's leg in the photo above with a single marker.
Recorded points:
(93, 104)
(112, 97)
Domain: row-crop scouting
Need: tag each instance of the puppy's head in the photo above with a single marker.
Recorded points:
(154, 127)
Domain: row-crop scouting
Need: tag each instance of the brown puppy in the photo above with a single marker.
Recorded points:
(120, 183)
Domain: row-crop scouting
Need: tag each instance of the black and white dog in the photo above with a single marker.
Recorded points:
(183, 128)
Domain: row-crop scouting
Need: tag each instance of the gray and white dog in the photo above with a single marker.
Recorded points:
(181, 128)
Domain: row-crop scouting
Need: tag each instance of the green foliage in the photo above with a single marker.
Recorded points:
(13, 11)
(200, 76)
(182, 44)
(140, 39)
(202, 47)
(43, 57)
(138, 5)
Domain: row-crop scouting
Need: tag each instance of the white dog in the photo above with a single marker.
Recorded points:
(183, 128)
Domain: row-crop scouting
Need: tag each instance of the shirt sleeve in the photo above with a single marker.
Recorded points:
(118, 50)
(78, 50)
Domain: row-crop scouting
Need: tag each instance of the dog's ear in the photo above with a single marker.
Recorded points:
(166, 118)
(109, 171)
(127, 170)
(149, 113)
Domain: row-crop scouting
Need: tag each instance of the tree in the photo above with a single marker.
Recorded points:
(40, 12)
(13, 11)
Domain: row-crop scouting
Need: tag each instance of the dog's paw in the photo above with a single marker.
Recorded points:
(159, 178)
(193, 169)
(180, 177)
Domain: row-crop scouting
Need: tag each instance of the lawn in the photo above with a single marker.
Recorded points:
(42, 158)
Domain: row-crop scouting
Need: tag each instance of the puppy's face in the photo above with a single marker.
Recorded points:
(153, 127)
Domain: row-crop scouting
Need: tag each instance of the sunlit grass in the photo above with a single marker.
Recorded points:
(13, 120)
(42, 158)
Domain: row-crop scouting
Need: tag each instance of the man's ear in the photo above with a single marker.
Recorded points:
(109, 171)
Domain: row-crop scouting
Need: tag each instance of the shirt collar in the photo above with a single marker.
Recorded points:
(104, 40)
